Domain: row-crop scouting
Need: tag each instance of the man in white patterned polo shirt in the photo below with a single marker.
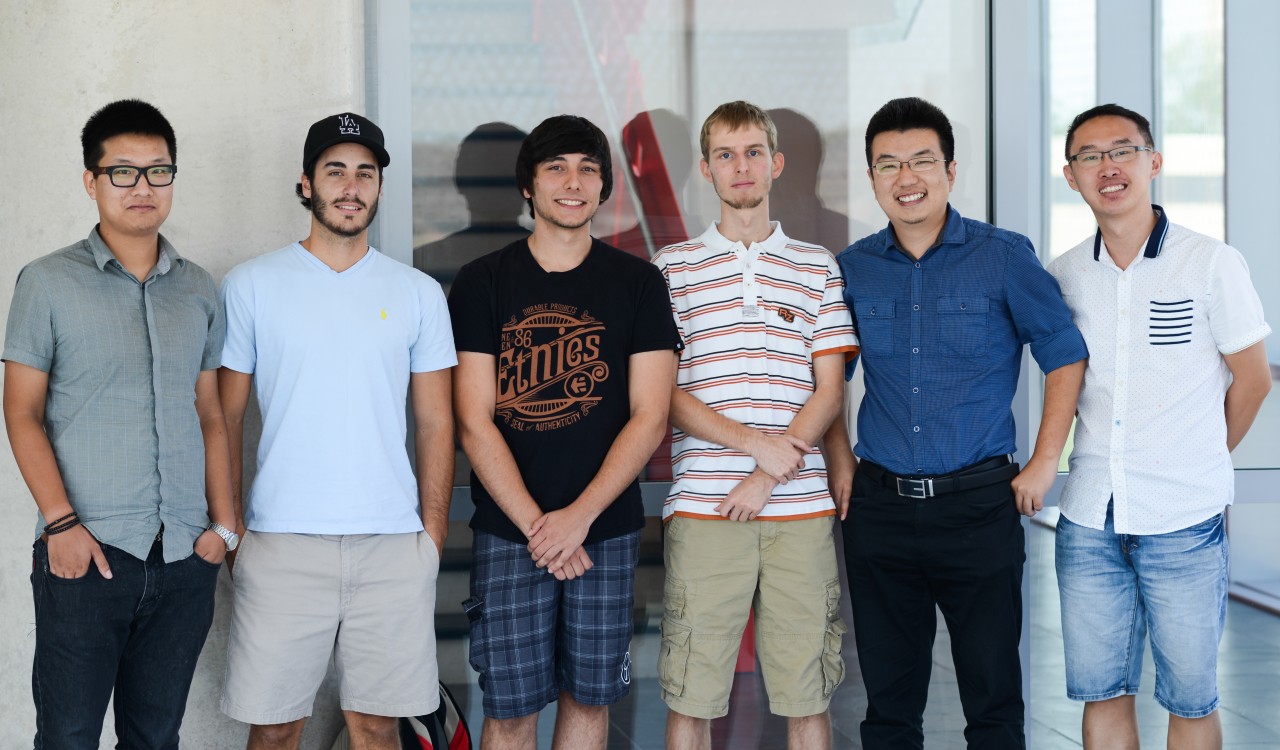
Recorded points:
(1177, 371)
(749, 517)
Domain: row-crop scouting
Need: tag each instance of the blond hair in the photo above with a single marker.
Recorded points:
(736, 115)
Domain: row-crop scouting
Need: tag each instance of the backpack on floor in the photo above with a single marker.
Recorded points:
(443, 729)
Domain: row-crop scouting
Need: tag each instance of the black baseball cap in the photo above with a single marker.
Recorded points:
(344, 128)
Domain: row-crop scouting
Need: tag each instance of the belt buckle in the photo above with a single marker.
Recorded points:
(916, 489)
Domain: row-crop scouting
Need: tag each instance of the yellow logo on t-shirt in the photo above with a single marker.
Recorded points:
(384, 313)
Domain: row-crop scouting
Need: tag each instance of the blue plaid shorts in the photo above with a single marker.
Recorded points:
(533, 637)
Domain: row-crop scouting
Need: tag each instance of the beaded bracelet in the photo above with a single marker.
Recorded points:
(66, 523)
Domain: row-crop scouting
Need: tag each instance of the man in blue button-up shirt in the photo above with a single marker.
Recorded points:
(942, 306)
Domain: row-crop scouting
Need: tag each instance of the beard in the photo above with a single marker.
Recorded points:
(320, 210)
(745, 203)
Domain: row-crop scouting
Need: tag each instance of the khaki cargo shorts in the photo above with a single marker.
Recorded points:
(716, 571)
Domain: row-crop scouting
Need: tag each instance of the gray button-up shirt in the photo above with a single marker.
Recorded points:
(122, 358)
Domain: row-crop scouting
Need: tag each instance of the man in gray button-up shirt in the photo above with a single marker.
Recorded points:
(111, 404)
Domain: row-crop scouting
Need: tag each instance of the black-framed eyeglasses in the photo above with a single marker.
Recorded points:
(158, 175)
(918, 164)
(1119, 155)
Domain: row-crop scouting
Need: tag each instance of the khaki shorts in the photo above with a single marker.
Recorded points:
(715, 570)
(366, 600)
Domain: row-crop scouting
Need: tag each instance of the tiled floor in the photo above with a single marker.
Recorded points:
(1249, 679)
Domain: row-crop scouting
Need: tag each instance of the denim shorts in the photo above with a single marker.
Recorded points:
(533, 637)
(1117, 588)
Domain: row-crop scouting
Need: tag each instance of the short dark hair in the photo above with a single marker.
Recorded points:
(310, 172)
(124, 117)
(1109, 110)
(910, 113)
(557, 136)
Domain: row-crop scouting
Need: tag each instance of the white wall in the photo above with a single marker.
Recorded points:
(241, 80)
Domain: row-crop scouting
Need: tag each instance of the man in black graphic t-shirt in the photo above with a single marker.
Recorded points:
(565, 368)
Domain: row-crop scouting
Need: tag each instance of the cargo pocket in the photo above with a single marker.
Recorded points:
(673, 661)
(832, 661)
(476, 655)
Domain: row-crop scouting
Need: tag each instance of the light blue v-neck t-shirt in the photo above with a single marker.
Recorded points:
(331, 354)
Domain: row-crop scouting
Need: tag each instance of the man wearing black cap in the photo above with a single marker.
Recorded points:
(341, 541)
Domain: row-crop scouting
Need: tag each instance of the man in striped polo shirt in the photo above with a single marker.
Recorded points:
(762, 319)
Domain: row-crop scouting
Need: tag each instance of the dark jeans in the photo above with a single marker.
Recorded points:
(138, 634)
(962, 552)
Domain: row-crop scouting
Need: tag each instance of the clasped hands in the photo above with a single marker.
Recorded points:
(779, 459)
(555, 542)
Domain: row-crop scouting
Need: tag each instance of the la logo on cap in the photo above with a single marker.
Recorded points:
(348, 126)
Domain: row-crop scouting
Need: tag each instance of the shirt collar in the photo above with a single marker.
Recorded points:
(718, 242)
(102, 254)
(1155, 242)
(953, 233)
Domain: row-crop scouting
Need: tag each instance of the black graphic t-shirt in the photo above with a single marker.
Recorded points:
(562, 343)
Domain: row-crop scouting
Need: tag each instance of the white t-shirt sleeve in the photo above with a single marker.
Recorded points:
(1235, 311)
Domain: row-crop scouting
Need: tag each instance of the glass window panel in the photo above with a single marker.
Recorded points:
(1072, 40)
(1071, 37)
(647, 73)
(1190, 130)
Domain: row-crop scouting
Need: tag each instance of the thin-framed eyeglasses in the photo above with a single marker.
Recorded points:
(122, 175)
(918, 164)
(1119, 155)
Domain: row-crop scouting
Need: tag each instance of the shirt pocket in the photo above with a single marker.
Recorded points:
(875, 318)
(1171, 322)
(963, 325)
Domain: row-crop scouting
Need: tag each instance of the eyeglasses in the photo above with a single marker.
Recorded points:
(158, 175)
(1119, 155)
(918, 164)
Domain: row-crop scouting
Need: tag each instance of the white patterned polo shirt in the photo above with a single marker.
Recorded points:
(753, 319)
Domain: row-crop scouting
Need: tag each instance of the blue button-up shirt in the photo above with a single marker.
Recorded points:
(942, 342)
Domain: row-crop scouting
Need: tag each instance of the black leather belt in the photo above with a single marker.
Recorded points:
(998, 469)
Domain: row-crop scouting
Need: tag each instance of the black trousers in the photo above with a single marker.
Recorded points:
(964, 553)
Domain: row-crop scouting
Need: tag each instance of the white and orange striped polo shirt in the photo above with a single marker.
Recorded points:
(752, 319)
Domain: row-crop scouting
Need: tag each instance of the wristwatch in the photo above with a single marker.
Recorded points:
(230, 537)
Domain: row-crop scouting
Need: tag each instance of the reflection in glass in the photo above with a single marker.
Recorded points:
(484, 174)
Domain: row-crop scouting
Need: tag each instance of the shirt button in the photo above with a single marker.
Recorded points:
(915, 350)
(916, 428)
(1117, 423)
(873, 311)
(917, 265)
(915, 390)
(961, 305)
(915, 307)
